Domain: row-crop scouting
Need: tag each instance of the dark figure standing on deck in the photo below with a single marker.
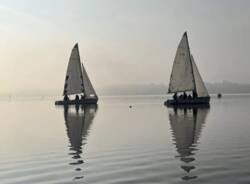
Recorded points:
(82, 97)
(175, 96)
(194, 94)
(185, 95)
(66, 98)
(77, 98)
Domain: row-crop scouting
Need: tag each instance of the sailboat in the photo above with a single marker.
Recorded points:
(77, 82)
(185, 78)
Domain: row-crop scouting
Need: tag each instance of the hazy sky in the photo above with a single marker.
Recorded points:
(121, 41)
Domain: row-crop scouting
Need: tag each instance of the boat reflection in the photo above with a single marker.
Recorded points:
(78, 120)
(186, 125)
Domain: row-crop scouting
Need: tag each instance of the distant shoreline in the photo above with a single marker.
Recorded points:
(137, 90)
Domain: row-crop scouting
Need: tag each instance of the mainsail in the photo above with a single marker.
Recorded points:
(182, 78)
(185, 75)
(74, 81)
(201, 89)
(89, 91)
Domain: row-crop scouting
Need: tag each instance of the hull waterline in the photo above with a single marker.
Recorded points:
(76, 102)
(188, 102)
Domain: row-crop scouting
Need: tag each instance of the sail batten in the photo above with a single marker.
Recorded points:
(182, 77)
(74, 80)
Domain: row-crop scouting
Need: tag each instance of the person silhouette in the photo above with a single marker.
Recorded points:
(194, 94)
(77, 98)
(66, 98)
(184, 95)
(175, 96)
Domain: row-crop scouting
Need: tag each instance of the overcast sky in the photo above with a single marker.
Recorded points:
(120, 41)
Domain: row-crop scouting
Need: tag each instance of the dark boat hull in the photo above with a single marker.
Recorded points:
(76, 102)
(188, 102)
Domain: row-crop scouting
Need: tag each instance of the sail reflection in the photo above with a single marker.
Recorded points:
(78, 121)
(186, 125)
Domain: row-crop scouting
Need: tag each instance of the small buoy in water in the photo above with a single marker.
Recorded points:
(130, 106)
(219, 95)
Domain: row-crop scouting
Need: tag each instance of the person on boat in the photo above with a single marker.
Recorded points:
(185, 95)
(194, 94)
(66, 98)
(77, 98)
(189, 96)
(175, 96)
(82, 97)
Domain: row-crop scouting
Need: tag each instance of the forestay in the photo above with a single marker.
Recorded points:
(182, 78)
(201, 89)
(74, 81)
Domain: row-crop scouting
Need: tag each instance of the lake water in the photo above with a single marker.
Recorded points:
(148, 143)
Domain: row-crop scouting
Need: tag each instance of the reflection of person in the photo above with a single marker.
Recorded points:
(66, 98)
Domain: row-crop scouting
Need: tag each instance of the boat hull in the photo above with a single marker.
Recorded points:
(188, 102)
(76, 102)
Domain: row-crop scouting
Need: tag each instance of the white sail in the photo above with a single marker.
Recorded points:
(89, 91)
(73, 81)
(182, 78)
(201, 89)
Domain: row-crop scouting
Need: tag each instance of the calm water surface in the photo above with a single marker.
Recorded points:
(112, 143)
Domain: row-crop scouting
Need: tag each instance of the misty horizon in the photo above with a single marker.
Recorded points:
(226, 87)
